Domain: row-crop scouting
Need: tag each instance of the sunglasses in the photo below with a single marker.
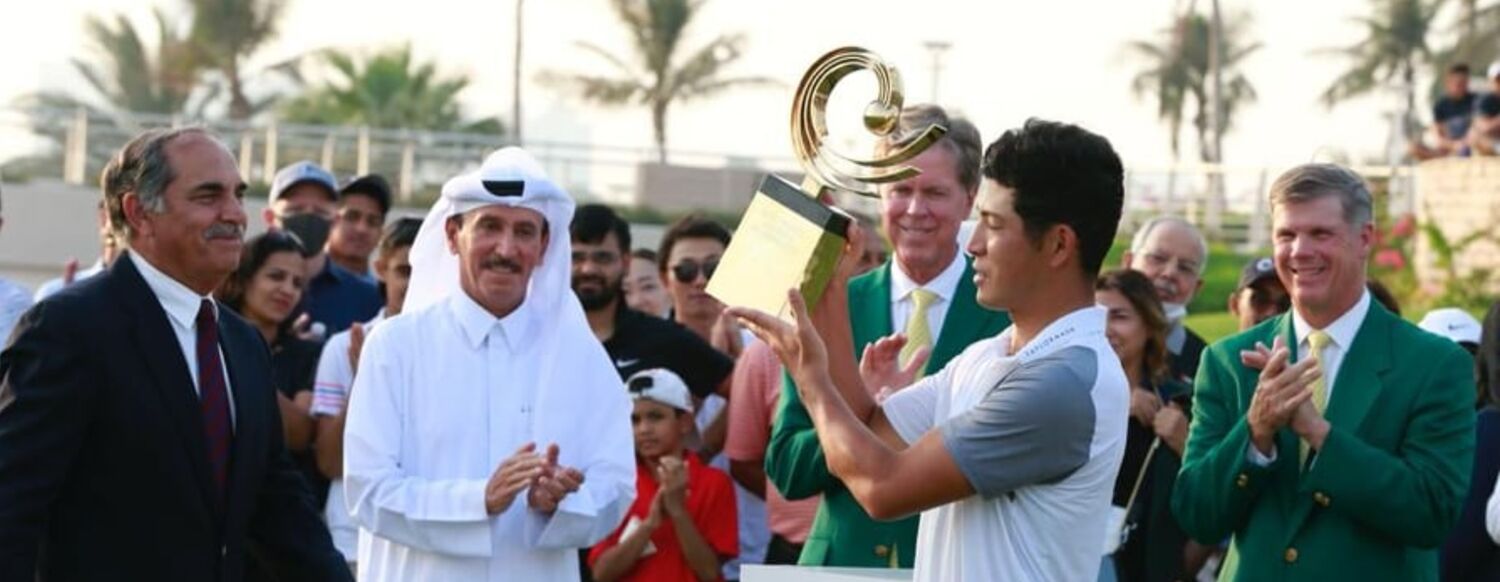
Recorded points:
(687, 271)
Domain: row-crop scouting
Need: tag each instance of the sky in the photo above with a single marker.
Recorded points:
(1009, 60)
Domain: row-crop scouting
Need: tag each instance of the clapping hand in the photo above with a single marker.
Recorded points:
(553, 483)
(1280, 391)
(880, 366)
(671, 477)
(513, 475)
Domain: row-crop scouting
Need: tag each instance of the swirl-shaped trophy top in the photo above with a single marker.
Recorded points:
(828, 168)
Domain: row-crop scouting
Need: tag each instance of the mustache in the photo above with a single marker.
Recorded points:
(501, 263)
(225, 230)
(595, 279)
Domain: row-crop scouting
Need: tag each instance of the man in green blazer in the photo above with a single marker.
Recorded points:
(921, 216)
(1342, 451)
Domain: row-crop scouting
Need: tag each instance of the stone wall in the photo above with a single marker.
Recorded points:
(1460, 196)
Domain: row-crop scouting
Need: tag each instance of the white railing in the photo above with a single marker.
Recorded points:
(76, 144)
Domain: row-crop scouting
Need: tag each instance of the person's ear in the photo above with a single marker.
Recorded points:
(135, 214)
(1060, 242)
(451, 228)
(269, 217)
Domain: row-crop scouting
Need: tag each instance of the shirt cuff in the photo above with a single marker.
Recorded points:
(1253, 455)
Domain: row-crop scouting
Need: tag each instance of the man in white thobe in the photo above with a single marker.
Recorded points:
(488, 434)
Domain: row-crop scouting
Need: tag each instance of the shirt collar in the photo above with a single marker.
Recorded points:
(1342, 330)
(478, 323)
(944, 285)
(180, 302)
(1075, 325)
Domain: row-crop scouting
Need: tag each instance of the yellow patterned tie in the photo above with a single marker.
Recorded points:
(1317, 340)
(918, 334)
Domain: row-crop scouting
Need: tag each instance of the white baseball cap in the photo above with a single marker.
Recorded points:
(1493, 72)
(1452, 323)
(662, 386)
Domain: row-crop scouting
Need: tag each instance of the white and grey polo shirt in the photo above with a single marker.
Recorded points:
(1039, 434)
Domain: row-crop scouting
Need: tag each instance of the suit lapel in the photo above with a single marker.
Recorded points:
(158, 347)
(1355, 390)
(870, 307)
(239, 355)
(1358, 384)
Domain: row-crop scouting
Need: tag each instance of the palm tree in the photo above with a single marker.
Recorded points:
(1477, 28)
(1176, 73)
(389, 89)
(660, 78)
(128, 75)
(1395, 43)
(228, 33)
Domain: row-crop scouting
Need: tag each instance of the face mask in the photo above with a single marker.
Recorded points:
(311, 229)
(1174, 312)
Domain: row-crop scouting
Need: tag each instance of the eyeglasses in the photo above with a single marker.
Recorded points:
(1186, 268)
(640, 384)
(687, 271)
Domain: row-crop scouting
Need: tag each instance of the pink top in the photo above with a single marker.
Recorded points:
(752, 409)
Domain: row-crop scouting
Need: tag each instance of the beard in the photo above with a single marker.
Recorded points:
(600, 295)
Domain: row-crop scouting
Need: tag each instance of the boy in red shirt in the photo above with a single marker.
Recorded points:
(683, 524)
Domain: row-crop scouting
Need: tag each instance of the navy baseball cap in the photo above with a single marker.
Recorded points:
(372, 185)
(300, 173)
(1257, 269)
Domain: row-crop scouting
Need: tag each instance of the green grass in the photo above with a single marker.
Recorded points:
(1207, 312)
(1213, 326)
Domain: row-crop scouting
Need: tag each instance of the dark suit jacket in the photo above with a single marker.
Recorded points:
(1184, 365)
(103, 465)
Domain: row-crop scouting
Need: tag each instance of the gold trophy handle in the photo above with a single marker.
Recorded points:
(829, 169)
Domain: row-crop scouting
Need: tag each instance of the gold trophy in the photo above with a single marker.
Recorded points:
(788, 236)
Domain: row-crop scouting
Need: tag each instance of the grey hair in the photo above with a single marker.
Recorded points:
(962, 139)
(1314, 181)
(1142, 234)
(141, 168)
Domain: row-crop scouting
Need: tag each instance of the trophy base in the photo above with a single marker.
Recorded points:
(786, 240)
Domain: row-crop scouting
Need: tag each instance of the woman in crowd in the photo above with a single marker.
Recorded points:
(645, 291)
(266, 290)
(1153, 547)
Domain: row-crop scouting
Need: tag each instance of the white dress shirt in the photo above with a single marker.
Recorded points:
(442, 396)
(945, 285)
(181, 305)
(1341, 335)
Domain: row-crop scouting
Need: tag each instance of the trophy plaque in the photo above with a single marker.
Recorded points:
(788, 237)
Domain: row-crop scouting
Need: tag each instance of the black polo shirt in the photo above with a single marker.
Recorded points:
(642, 342)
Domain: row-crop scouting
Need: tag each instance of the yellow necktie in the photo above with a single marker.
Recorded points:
(918, 334)
(1317, 340)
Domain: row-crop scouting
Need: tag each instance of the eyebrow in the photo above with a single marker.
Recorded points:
(211, 186)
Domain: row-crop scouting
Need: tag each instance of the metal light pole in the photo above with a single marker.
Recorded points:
(515, 98)
(937, 48)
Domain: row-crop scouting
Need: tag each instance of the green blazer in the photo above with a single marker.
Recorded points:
(842, 533)
(1379, 498)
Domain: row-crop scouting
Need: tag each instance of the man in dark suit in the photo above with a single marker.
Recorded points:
(1172, 253)
(139, 434)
